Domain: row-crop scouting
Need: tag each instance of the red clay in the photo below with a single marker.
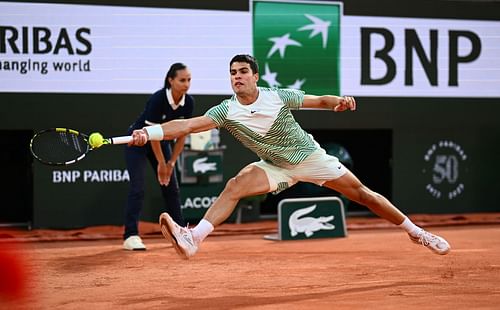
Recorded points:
(370, 269)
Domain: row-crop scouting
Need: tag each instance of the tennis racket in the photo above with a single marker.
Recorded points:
(63, 146)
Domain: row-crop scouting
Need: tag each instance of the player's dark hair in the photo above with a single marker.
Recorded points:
(247, 59)
(172, 72)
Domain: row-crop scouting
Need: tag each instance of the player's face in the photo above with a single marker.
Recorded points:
(181, 82)
(243, 80)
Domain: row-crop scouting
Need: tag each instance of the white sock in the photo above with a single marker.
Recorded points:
(409, 227)
(202, 230)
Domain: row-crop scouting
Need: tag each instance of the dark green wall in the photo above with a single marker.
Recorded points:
(79, 203)
(416, 124)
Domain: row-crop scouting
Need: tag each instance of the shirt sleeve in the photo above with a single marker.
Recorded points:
(218, 113)
(292, 98)
(190, 106)
(154, 108)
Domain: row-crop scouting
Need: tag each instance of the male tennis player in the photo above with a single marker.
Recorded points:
(261, 120)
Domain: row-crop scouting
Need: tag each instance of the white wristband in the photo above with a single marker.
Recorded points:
(155, 132)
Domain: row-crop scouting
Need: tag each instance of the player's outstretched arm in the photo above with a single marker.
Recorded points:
(171, 130)
(335, 103)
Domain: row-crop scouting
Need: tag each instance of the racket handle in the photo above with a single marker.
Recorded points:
(120, 140)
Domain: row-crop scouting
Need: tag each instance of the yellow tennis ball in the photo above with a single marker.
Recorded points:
(96, 140)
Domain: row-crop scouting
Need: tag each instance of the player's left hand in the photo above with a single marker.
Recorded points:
(345, 103)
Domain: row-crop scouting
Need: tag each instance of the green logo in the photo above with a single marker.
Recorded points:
(203, 164)
(297, 45)
(310, 218)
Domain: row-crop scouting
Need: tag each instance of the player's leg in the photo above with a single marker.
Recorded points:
(250, 181)
(326, 170)
(350, 186)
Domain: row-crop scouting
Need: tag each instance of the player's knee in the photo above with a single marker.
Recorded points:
(234, 188)
(244, 184)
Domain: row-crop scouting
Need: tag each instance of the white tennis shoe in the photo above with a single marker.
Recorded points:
(181, 237)
(134, 243)
(434, 243)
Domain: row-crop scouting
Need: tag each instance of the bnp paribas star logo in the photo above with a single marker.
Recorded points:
(297, 45)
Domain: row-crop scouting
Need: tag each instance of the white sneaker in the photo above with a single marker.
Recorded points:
(434, 243)
(181, 237)
(134, 243)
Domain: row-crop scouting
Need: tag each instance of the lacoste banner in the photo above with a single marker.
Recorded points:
(203, 164)
(297, 45)
(310, 218)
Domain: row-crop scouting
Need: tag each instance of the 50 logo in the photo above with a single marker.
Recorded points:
(445, 167)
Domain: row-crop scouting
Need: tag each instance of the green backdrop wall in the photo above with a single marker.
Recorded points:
(416, 125)
(443, 152)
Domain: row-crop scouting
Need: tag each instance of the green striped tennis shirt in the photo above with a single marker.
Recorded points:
(267, 126)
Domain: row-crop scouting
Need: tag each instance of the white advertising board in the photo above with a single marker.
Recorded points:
(466, 60)
(110, 49)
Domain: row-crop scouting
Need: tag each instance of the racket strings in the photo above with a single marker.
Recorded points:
(72, 140)
(59, 146)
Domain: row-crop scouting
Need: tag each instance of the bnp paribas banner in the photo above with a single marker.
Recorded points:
(298, 45)
(308, 45)
(46, 47)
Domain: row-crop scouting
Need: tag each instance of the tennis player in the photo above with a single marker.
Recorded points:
(168, 103)
(261, 120)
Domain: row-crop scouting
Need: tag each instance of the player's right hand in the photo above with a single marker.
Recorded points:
(139, 137)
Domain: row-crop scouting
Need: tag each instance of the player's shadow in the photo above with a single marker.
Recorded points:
(83, 263)
(234, 302)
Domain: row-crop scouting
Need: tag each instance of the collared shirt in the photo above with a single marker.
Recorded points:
(159, 109)
(171, 100)
(267, 126)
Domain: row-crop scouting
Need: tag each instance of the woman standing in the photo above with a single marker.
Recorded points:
(170, 102)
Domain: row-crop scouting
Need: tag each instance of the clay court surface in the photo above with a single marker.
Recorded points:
(375, 267)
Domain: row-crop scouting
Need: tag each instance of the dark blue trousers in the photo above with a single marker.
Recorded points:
(136, 158)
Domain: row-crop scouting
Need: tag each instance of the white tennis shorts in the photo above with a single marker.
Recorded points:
(317, 168)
